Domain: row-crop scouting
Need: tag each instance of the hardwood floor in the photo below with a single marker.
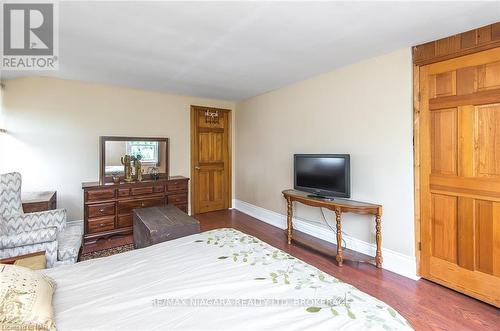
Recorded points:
(426, 305)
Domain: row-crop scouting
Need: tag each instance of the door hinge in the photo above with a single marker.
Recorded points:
(419, 245)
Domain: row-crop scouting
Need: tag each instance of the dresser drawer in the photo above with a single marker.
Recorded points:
(97, 195)
(126, 207)
(141, 190)
(101, 224)
(125, 220)
(102, 209)
(36, 207)
(123, 192)
(177, 185)
(159, 188)
(178, 198)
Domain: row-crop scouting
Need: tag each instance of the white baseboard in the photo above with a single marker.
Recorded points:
(393, 261)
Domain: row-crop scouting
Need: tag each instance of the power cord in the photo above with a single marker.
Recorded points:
(334, 230)
(328, 224)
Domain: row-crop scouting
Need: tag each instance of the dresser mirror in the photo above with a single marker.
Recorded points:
(150, 155)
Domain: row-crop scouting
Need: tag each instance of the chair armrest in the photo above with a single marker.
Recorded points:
(28, 238)
(35, 221)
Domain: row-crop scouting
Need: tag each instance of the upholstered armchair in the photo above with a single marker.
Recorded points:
(41, 231)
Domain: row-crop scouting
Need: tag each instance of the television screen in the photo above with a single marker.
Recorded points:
(325, 174)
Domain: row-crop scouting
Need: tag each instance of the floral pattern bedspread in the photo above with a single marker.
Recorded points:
(216, 280)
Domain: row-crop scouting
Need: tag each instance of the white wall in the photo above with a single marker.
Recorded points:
(365, 110)
(54, 127)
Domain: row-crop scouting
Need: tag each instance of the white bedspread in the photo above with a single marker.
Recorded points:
(216, 280)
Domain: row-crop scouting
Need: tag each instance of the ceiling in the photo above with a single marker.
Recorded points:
(236, 50)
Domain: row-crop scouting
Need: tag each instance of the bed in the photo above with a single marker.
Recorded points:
(221, 279)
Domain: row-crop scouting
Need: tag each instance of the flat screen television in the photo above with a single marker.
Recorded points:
(324, 175)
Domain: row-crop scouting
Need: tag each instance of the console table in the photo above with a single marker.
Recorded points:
(338, 206)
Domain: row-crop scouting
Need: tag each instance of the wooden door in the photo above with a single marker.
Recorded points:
(210, 159)
(460, 174)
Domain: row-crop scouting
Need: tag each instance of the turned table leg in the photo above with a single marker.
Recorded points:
(339, 257)
(378, 237)
(289, 220)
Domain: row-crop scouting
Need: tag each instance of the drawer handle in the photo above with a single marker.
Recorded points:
(102, 224)
(142, 204)
(102, 210)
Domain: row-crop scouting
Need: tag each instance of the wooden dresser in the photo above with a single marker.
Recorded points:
(108, 207)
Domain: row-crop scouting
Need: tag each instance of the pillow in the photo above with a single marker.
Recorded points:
(25, 299)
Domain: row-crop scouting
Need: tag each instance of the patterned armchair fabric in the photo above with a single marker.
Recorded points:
(10, 194)
(69, 241)
(28, 238)
(35, 221)
(50, 248)
(28, 233)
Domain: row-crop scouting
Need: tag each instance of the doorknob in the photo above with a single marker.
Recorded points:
(197, 168)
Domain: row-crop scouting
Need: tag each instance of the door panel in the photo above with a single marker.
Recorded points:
(484, 238)
(488, 140)
(220, 123)
(218, 187)
(445, 84)
(211, 147)
(465, 233)
(444, 231)
(466, 80)
(210, 159)
(459, 140)
(489, 76)
(444, 141)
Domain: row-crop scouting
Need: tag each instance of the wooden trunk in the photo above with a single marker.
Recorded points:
(158, 224)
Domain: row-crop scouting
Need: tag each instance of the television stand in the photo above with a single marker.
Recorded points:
(320, 197)
(338, 206)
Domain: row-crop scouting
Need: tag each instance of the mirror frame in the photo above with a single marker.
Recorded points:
(103, 179)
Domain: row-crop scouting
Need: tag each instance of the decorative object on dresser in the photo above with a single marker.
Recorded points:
(108, 207)
(338, 206)
(138, 167)
(39, 201)
(126, 161)
(154, 173)
(158, 224)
